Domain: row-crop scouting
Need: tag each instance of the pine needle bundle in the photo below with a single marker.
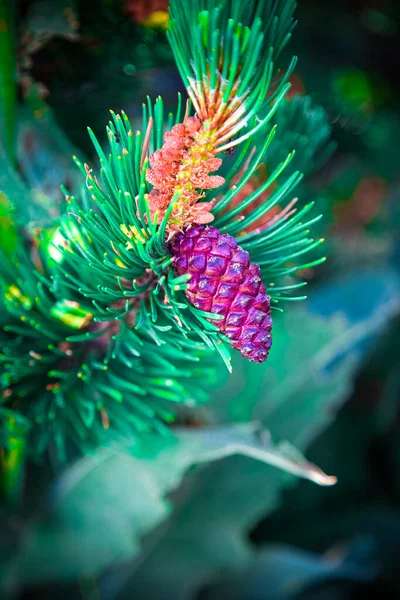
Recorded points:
(171, 255)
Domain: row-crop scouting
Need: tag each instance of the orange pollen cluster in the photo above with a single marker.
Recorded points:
(183, 165)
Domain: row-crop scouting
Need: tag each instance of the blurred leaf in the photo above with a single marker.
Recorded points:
(282, 573)
(103, 504)
(45, 158)
(308, 375)
(8, 232)
(357, 293)
(312, 353)
(362, 447)
(11, 183)
(302, 344)
(19, 195)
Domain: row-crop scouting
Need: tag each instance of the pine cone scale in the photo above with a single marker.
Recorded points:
(224, 282)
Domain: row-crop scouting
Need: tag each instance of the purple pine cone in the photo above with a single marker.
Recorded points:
(223, 281)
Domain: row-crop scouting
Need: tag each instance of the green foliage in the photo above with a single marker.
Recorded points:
(237, 43)
(302, 127)
(14, 188)
(215, 510)
(363, 449)
(89, 299)
(8, 233)
(45, 163)
(82, 384)
(362, 446)
(134, 481)
(98, 341)
(217, 505)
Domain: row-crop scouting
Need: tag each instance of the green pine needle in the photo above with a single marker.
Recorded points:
(98, 335)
